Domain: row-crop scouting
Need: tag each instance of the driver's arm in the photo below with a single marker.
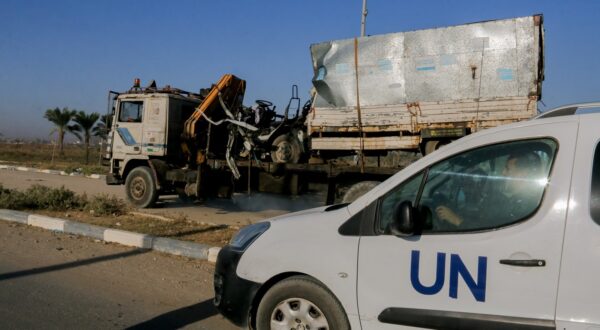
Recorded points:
(446, 214)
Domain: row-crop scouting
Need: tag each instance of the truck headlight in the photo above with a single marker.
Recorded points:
(243, 238)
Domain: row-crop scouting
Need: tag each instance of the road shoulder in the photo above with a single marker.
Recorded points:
(127, 238)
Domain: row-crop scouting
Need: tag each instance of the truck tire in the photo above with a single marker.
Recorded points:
(183, 196)
(286, 149)
(300, 302)
(357, 190)
(140, 187)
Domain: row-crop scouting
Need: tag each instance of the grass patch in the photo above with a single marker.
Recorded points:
(180, 228)
(39, 155)
(112, 212)
(104, 205)
(42, 197)
(38, 197)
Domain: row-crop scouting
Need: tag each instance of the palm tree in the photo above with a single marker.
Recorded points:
(84, 123)
(61, 120)
(101, 130)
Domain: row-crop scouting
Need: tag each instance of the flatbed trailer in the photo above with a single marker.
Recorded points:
(294, 178)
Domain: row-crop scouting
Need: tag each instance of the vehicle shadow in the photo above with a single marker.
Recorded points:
(255, 202)
(180, 317)
(73, 264)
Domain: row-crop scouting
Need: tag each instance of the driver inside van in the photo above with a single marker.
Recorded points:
(519, 197)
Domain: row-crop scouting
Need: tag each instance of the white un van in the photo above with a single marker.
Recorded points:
(500, 229)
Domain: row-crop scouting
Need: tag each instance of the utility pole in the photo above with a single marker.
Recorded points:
(363, 21)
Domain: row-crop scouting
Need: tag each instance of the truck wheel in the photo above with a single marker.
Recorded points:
(286, 149)
(183, 197)
(300, 302)
(358, 189)
(140, 187)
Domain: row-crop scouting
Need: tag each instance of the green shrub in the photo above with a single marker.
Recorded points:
(70, 169)
(11, 199)
(93, 169)
(103, 204)
(54, 199)
(38, 197)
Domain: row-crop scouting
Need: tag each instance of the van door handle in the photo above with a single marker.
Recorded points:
(524, 263)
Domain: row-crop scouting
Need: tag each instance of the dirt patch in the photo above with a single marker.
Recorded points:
(179, 228)
(46, 156)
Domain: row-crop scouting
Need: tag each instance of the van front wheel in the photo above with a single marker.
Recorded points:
(300, 302)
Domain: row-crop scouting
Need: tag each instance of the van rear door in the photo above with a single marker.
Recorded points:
(578, 304)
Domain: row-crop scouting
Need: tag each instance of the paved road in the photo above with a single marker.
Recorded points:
(241, 210)
(59, 281)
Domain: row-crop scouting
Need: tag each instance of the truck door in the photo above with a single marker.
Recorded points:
(488, 252)
(129, 127)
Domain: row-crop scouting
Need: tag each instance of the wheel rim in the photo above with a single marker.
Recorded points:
(284, 151)
(138, 188)
(298, 314)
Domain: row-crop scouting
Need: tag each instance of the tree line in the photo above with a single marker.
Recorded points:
(79, 123)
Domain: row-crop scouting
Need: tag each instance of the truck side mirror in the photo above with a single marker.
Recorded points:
(404, 220)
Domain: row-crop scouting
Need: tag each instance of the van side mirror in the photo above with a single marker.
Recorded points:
(404, 220)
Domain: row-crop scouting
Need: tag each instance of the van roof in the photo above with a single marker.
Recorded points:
(570, 109)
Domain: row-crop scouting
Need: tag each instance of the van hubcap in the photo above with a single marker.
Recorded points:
(298, 314)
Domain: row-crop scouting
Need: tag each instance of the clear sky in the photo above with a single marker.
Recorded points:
(70, 53)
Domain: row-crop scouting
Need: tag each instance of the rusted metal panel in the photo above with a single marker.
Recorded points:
(369, 143)
(409, 117)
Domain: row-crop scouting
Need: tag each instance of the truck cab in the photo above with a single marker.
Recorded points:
(146, 130)
(162, 139)
(499, 229)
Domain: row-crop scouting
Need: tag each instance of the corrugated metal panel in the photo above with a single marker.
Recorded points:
(489, 59)
(479, 75)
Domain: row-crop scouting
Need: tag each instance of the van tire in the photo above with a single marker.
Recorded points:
(140, 187)
(294, 292)
(357, 190)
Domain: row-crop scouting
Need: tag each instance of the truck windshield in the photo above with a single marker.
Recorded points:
(131, 111)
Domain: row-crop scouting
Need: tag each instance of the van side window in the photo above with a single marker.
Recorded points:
(487, 188)
(480, 189)
(595, 194)
(131, 111)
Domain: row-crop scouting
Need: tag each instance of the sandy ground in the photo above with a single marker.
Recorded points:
(59, 281)
(241, 210)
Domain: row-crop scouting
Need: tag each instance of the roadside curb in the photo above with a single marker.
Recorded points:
(128, 238)
(54, 172)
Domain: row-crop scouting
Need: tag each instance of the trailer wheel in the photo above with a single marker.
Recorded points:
(140, 187)
(286, 149)
(358, 189)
